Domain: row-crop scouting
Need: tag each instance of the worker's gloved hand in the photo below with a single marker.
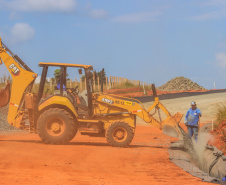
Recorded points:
(186, 123)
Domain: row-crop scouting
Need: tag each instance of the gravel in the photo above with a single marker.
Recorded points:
(180, 84)
(4, 126)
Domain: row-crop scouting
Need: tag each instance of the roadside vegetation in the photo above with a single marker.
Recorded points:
(220, 114)
(220, 128)
(51, 83)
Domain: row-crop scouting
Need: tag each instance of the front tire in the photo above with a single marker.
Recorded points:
(56, 126)
(119, 134)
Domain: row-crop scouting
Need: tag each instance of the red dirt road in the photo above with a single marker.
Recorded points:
(24, 159)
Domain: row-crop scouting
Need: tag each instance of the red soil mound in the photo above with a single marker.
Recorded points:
(220, 137)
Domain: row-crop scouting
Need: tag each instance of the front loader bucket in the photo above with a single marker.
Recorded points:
(171, 125)
(5, 95)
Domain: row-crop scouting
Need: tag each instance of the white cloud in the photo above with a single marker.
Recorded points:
(95, 13)
(219, 10)
(39, 5)
(20, 32)
(15, 16)
(88, 6)
(208, 16)
(98, 14)
(138, 17)
(214, 3)
(221, 59)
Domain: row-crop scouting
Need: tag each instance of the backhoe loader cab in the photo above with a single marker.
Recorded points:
(58, 117)
(58, 114)
(61, 90)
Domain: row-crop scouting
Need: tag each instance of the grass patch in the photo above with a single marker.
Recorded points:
(220, 114)
(129, 85)
(2, 85)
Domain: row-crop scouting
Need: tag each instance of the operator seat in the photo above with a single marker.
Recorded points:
(83, 98)
(83, 104)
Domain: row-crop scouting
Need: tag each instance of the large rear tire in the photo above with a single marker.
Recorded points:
(119, 134)
(56, 126)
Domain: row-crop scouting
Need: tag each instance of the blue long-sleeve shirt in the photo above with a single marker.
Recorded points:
(192, 117)
(58, 86)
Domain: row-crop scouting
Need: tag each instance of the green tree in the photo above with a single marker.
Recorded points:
(98, 74)
(57, 75)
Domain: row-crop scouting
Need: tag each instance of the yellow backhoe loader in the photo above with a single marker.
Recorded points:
(58, 117)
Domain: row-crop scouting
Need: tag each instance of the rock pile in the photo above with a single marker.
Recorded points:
(180, 84)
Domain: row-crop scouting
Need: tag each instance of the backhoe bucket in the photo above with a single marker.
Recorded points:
(170, 125)
(5, 95)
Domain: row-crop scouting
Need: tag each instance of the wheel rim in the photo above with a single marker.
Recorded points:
(119, 134)
(55, 127)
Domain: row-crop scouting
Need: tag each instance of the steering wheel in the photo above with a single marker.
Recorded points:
(73, 89)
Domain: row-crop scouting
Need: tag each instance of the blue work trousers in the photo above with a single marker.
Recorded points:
(193, 130)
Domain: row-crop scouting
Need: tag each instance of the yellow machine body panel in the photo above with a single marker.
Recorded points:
(21, 80)
(112, 104)
(102, 108)
(106, 104)
(58, 100)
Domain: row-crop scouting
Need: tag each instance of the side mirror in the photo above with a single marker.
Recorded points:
(80, 71)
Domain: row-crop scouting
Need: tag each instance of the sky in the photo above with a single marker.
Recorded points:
(148, 40)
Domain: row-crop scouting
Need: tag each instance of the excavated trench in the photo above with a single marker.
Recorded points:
(199, 159)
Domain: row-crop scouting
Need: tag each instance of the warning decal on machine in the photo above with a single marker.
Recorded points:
(14, 70)
(14, 104)
(128, 103)
(107, 101)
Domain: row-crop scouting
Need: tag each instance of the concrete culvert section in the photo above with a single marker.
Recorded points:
(182, 159)
(199, 159)
(214, 162)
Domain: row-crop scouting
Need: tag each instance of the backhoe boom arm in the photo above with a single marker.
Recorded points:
(134, 107)
(22, 77)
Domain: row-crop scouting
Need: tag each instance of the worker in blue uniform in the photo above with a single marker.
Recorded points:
(192, 120)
